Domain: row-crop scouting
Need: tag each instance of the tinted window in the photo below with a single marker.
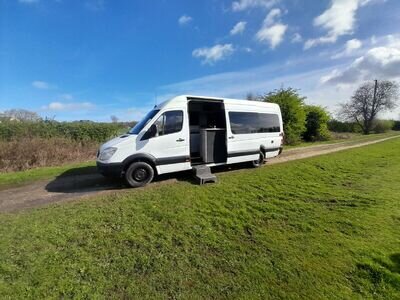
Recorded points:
(169, 122)
(245, 122)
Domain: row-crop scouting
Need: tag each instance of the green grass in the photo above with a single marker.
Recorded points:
(320, 228)
(25, 177)
(352, 137)
(29, 176)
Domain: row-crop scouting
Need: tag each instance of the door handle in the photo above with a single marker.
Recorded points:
(231, 137)
(180, 140)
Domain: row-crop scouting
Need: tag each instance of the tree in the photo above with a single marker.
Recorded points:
(22, 115)
(316, 124)
(369, 100)
(381, 126)
(293, 114)
(114, 119)
(251, 96)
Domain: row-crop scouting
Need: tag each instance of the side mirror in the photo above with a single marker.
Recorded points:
(151, 132)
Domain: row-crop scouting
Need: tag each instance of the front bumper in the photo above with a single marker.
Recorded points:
(111, 169)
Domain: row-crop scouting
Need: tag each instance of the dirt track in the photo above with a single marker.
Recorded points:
(66, 187)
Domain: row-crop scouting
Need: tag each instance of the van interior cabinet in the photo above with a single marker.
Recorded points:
(207, 132)
(213, 146)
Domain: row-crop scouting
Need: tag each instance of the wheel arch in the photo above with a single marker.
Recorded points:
(143, 157)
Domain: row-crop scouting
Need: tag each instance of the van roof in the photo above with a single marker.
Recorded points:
(182, 100)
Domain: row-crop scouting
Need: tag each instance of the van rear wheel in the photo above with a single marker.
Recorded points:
(259, 162)
(139, 174)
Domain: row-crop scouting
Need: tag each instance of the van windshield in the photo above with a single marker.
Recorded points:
(139, 126)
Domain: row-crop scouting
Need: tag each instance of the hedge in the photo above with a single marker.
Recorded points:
(78, 131)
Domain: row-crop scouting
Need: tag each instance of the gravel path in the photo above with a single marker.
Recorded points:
(65, 188)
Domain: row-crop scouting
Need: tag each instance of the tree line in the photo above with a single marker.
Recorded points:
(300, 121)
(314, 123)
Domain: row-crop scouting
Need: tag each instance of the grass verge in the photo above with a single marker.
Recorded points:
(346, 137)
(319, 228)
(12, 179)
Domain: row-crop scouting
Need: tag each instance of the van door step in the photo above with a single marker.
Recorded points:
(203, 174)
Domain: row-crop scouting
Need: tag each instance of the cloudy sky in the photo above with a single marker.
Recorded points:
(91, 59)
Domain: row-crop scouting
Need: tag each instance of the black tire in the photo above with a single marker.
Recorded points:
(259, 162)
(139, 174)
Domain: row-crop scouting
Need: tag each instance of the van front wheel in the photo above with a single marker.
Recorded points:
(259, 162)
(139, 174)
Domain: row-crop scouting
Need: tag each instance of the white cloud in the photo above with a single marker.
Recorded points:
(349, 48)
(267, 78)
(338, 20)
(238, 28)
(271, 32)
(272, 16)
(257, 80)
(28, 1)
(72, 106)
(42, 85)
(382, 62)
(185, 20)
(352, 45)
(273, 35)
(241, 5)
(210, 55)
(297, 38)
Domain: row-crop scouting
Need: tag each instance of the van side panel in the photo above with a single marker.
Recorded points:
(244, 147)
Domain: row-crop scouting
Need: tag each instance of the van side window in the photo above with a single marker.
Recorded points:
(173, 121)
(169, 122)
(248, 122)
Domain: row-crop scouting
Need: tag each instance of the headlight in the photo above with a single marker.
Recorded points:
(107, 153)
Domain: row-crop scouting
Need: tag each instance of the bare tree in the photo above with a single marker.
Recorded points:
(114, 119)
(22, 115)
(369, 100)
(251, 96)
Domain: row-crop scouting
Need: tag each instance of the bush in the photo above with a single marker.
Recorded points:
(293, 114)
(396, 125)
(26, 153)
(381, 126)
(77, 131)
(316, 124)
(338, 126)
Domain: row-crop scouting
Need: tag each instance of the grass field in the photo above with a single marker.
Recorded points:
(11, 179)
(346, 137)
(28, 176)
(320, 228)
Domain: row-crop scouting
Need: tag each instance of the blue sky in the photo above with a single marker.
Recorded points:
(96, 58)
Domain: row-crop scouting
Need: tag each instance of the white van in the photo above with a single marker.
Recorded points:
(190, 131)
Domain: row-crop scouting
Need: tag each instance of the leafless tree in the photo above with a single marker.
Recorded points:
(369, 100)
(22, 115)
(114, 119)
(251, 96)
